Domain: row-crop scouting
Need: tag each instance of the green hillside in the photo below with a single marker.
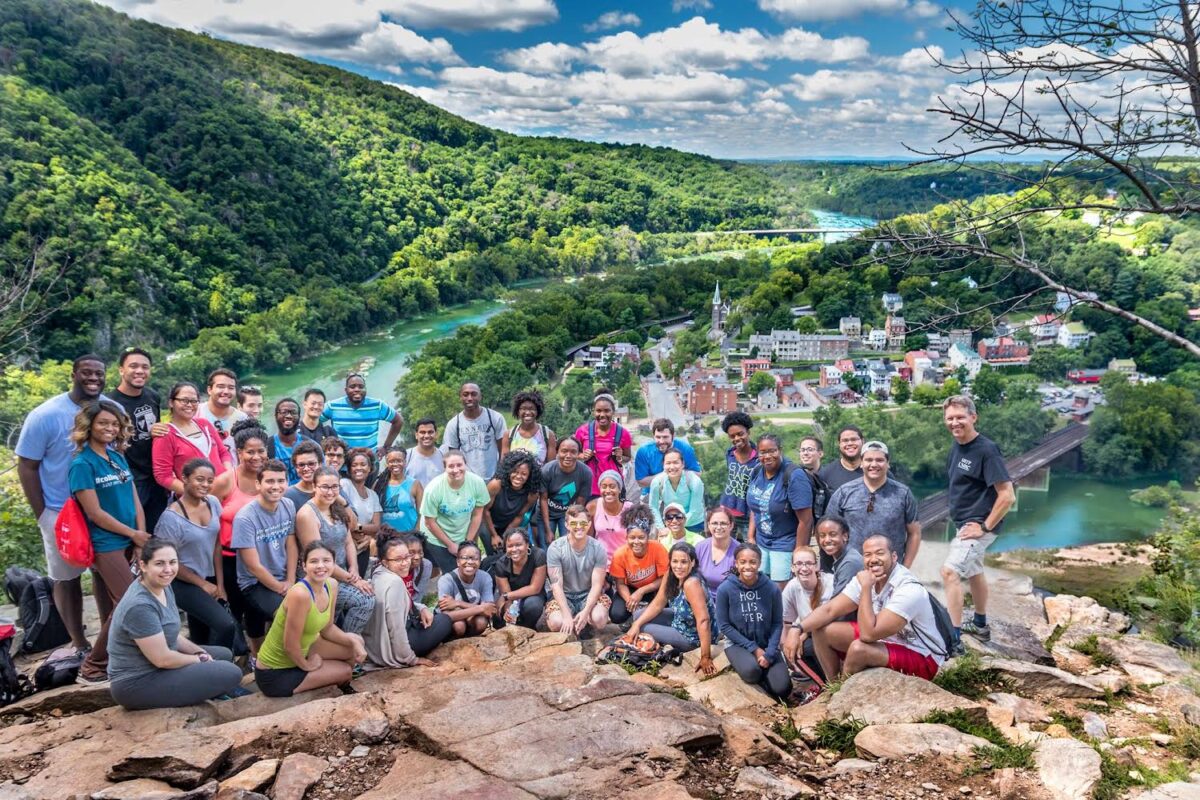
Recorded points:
(192, 183)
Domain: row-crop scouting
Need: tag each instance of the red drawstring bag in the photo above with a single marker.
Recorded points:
(72, 536)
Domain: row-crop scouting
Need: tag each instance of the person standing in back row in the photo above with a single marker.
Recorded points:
(848, 465)
(980, 494)
(877, 504)
(356, 417)
(219, 409)
(143, 407)
(648, 461)
(475, 431)
(44, 455)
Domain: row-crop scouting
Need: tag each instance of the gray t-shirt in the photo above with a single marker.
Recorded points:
(576, 567)
(138, 615)
(423, 469)
(894, 507)
(266, 532)
(480, 590)
(298, 496)
(193, 543)
(478, 439)
(564, 488)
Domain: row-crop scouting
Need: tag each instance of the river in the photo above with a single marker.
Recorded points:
(836, 219)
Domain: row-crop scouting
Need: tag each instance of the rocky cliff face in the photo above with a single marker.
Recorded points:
(516, 714)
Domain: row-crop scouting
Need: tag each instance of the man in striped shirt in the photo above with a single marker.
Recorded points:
(356, 417)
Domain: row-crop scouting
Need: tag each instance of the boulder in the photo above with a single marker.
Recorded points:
(1134, 651)
(185, 759)
(751, 745)
(1110, 680)
(1001, 717)
(77, 698)
(883, 696)
(150, 789)
(297, 772)
(685, 674)
(372, 729)
(1071, 660)
(416, 776)
(1067, 610)
(1191, 714)
(1094, 726)
(254, 777)
(257, 705)
(882, 742)
(1068, 768)
(1174, 696)
(664, 790)
(1010, 640)
(728, 693)
(1038, 679)
(807, 716)
(239, 794)
(759, 782)
(1173, 791)
(854, 765)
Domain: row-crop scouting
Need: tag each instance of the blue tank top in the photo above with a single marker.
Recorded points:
(399, 511)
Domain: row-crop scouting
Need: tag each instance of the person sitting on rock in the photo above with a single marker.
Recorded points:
(894, 627)
(638, 567)
(803, 594)
(575, 564)
(150, 663)
(467, 594)
(837, 559)
(682, 614)
(750, 616)
(304, 649)
(520, 576)
(393, 637)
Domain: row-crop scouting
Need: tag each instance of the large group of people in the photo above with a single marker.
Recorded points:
(314, 552)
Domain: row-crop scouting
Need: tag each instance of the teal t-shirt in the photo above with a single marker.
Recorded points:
(452, 507)
(114, 488)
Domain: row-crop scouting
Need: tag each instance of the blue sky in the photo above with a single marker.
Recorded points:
(745, 79)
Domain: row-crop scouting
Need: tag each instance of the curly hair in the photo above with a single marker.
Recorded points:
(528, 396)
(514, 459)
(638, 516)
(737, 418)
(87, 415)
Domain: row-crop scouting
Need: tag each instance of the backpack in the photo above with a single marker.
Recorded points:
(72, 536)
(945, 627)
(15, 581)
(638, 652)
(44, 628)
(13, 685)
(788, 471)
(820, 494)
(491, 418)
(60, 669)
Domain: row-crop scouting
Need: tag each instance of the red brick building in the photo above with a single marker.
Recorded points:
(753, 365)
(706, 397)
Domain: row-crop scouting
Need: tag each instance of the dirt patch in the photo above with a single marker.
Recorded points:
(22, 769)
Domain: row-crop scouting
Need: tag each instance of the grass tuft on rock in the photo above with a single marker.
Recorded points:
(1090, 647)
(966, 677)
(786, 729)
(1115, 780)
(838, 735)
(1000, 753)
(1072, 722)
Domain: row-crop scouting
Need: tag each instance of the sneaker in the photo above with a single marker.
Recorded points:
(86, 681)
(806, 696)
(357, 671)
(238, 691)
(981, 632)
(957, 649)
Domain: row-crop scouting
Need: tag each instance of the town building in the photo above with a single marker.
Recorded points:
(1064, 301)
(710, 397)
(879, 378)
(785, 345)
(960, 336)
(850, 326)
(892, 302)
(896, 330)
(877, 339)
(920, 366)
(720, 312)
(841, 394)
(964, 357)
(1074, 335)
(1044, 328)
(1003, 350)
(753, 365)
(767, 400)
(830, 374)
(595, 356)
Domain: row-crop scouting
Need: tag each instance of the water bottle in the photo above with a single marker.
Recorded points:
(510, 616)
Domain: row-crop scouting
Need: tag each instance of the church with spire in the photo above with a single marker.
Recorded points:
(720, 312)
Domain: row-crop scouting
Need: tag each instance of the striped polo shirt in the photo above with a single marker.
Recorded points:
(358, 426)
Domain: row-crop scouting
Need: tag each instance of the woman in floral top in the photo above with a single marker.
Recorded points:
(681, 613)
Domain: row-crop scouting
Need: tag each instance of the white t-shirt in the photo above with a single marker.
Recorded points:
(904, 595)
(364, 507)
(797, 602)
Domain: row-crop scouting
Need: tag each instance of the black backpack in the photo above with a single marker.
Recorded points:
(34, 595)
(60, 671)
(13, 685)
(789, 469)
(820, 494)
(945, 627)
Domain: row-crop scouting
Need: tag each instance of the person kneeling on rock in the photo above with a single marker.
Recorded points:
(304, 649)
(894, 628)
(150, 663)
(467, 594)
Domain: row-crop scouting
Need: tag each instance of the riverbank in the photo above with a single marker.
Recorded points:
(1109, 572)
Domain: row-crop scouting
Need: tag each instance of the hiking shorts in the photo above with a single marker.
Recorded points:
(56, 568)
(966, 555)
(903, 659)
(777, 564)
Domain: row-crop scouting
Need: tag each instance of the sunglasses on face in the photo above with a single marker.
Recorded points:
(673, 517)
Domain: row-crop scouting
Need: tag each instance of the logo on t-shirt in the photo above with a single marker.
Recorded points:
(965, 464)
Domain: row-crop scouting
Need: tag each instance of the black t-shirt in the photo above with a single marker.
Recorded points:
(975, 468)
(834, 474)
(317, 434)
(143, 412)
(504, 569)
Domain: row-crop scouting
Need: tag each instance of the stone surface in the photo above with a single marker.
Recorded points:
(150, 789)
(728, 693)
(185, 759)
(914, 739)
(882, 696)
(1173, 791)
(1068, 768)
(1110, 680)
(240, 794)
(416, 776)
(664, 790)
(1094, 726)
(685, 674)
(1174, 696)
(1136, 651)
(761, 783)
(1024, 710)
(76, 698)
(1191, 714)
(1013, 641)
(1000, 716)
(371, 730)
(1038, 679)
(254, 777)
(297, 772)
(1067, 610)
(807, 716)
(751, 745)
(1070, 659)
(854, 765)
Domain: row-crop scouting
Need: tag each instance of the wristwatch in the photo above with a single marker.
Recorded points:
(983, 527)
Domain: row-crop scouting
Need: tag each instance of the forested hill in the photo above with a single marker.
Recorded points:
(192, 182)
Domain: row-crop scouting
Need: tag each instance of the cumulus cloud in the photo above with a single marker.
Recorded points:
(472, 15)
(614, 19)
(690, 5)
(544, 58)
(826, 10)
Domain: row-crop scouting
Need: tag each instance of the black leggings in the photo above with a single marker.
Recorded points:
(531, 611)
(620, 613)
(424, 640)
(237, 603)
(261, 605)
(774, 680)
(209, 622)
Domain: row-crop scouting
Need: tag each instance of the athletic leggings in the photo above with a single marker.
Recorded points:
(261, 605)
(620, 613)
(354, 608)
(774, 680)
(663, 633)
(185, 686)
(111, 576)
(424, 640)
(209, 622)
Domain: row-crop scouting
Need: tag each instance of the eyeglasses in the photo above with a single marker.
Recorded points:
(308, 465)
(672, 517)
(713, 524)
(331, 488)
(400, 558)
(186, 401)
(804, 565)
(287, 414)
(469, 559)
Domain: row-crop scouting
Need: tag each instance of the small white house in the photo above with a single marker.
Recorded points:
(1074, 335)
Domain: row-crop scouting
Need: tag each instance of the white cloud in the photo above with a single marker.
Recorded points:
(544, 58)
(825, 10)
(614, 19)
(692, 5)
(389, 43)
(472, 15)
